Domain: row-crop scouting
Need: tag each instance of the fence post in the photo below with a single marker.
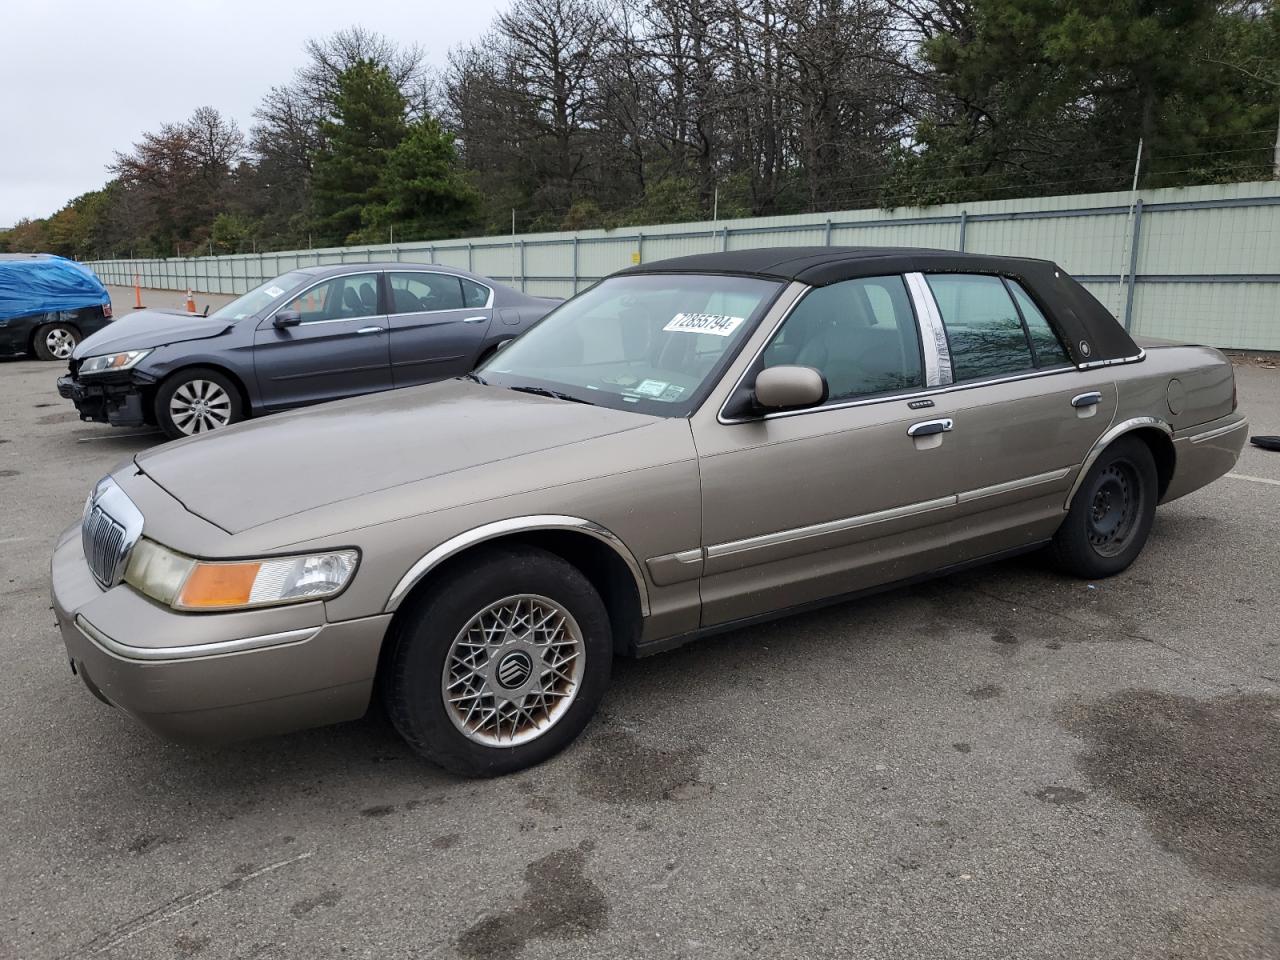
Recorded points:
(575, 263)
(522, 290)
(1133, 263)
(724, 238)
(469, 263)
(964, 223)
(640, 245)
(827, 239)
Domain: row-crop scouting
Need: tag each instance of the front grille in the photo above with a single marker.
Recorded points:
(104, 546)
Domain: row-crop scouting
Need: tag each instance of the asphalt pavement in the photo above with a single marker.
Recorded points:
(1003, 763)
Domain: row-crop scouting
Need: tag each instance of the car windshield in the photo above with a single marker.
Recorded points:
(654, 343)
(260, 297)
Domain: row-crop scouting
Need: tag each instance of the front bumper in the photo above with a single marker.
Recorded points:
(119, 403)
(212, 677)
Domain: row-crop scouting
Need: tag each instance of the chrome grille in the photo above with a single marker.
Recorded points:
(111, 526)
(103, 541)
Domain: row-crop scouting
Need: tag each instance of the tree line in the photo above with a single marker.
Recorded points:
(570, 114)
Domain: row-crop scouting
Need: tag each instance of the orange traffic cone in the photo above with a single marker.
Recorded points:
(191, 301)
(137, 293)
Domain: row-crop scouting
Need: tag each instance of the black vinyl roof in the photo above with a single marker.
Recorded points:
(1088, 330)
(819, 266)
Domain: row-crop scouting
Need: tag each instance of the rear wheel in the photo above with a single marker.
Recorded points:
(1111, 514)
(501, 664)
(197, 401)
(55, 341)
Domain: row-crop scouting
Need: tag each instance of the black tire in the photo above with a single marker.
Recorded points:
(1111, 515)
(411, 678)
(225, 405)
(68, 338)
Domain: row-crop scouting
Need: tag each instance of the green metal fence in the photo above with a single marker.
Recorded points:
(1195, 263)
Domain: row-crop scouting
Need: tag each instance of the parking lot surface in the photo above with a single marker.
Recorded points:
(1002, 763)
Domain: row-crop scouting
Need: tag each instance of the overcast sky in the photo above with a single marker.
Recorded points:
(81, 79)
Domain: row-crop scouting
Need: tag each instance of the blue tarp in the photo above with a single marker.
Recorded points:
(42, 283)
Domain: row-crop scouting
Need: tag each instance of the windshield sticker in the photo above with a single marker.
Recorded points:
(672, 392)
(651, 388)
(716, 324)
(273, 292)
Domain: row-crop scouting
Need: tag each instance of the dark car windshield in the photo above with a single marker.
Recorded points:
(261, 297)
(651, 342)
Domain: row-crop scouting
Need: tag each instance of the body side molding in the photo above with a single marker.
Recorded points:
(501, 528)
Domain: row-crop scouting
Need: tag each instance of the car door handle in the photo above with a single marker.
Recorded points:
(927, 428)
(1091, 399)
(474, 319)
(370, 330)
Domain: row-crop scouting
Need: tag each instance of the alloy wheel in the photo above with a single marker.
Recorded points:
(199, 406)
(513, 671)
(60, 342)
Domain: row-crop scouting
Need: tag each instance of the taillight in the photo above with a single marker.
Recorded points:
(106, 309)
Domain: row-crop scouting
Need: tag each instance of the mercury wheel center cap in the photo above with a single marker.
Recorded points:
(513, 670)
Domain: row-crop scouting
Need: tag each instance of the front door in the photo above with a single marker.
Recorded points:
(438, 325)
(1024, 415)
(338, 350)
(802, 506)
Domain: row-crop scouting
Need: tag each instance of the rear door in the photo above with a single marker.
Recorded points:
(338, 350)
(438, 325)
(1024, 415)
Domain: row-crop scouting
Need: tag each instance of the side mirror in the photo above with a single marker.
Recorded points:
(790, 388)
(286, 318)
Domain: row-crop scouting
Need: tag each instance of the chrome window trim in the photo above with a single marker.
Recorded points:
(307, 289)
(499, 528)
(831, 526)
(1216, 432)
(192, 651)
(933, 335)
(1119, 430)
(487, 305)
(890, 398)
(1093, 364)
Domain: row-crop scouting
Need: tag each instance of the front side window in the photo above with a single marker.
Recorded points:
(983, 327)
(342, 298)
(653, 343)
(424, 292)
(860, 334)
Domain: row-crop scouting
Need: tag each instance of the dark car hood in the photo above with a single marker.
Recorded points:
(264, 470)
(148, 328)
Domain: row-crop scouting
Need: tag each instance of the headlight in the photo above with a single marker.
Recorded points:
(185, 583)
(111, 362)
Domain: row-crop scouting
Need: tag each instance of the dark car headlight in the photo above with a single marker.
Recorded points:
(111, 362)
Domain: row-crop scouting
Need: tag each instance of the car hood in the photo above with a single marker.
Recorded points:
(148, 328)
(264, 470)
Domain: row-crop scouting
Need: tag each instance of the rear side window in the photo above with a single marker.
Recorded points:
(861, 335)
(424, 292)
(1045, 343)
(474, 294)
(984, 329)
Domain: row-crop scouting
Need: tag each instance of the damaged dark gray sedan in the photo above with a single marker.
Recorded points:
(311, 335)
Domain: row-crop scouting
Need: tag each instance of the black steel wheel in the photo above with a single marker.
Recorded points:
(1111, 514)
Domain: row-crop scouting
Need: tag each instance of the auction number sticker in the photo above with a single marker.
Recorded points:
(273, 292)
(716, 324)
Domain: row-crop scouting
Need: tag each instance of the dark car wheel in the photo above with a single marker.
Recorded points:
(55, 341)
(501, 664)
(197, 401)
(1111, 515)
